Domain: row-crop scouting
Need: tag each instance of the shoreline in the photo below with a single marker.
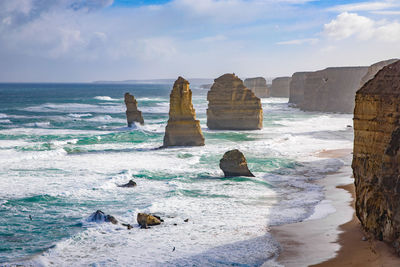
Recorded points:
(336, 239)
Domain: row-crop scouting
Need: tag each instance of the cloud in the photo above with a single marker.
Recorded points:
(366, 6)
(299, 41)
(347, 25)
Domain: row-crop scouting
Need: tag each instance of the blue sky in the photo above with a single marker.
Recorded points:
(86, 40)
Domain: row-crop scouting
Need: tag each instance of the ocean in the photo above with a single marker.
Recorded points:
(65, 148)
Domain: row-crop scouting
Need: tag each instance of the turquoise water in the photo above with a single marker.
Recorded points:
(65, 148)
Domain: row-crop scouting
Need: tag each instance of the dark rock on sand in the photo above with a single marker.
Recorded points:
(233, 164)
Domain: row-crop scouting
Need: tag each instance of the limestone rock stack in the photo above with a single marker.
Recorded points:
(231, 106)
(373, 70)
(332, 89)
(233, 164)
(376, 158)
(182, 129)
(296, 88)
(258, 86)
(132, 112)
(280, 87)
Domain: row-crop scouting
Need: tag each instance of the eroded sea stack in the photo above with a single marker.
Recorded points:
(280, 87)
(233, 164)
(182, 129)
(332, 89)
(376, 158)
(258, 86)
(231, 106)
(132, 112)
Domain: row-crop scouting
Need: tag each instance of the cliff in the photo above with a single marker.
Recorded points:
(232, 106)
(376, 155)
(332, 89)
(258, 86)
(373, 70)
(296, 88)
(132, 112)
(182, 129)
(280, 87)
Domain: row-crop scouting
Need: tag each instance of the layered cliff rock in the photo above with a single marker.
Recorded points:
(296, 88)
(376, 158)
(373, 70)
(258, 86)
(332, 89)
(182, 129)
(280, 87)
(132, 112)
(231, 106)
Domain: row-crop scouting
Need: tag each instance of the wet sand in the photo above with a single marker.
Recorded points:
(337, 239)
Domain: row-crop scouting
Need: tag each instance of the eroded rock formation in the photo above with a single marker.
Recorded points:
(376, 158)
(132, 112)
(258, 86)
(231, 106)
(280, 87)
(182, 129)
(233, 163)
(332, 89)
(373, 70)
(296, 88)
(100, 217)
(145, 220)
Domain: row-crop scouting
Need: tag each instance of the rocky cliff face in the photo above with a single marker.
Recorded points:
(132, 112)
(258, 86)
(232, 106)
(332, 89)
(296, 88)
(280, 87)
(373, 70)
(376, 158)
(182, 129)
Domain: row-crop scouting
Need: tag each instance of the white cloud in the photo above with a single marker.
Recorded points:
(299, 41)
(366, 6)
(348, 25)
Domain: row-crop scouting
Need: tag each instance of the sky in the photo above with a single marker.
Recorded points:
(90, 40)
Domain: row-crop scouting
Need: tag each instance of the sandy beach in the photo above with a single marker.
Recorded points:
(337, 239)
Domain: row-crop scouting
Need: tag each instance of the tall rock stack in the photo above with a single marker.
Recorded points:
(258, 86)
(280, 87)
(373, 70)
(182, 129)
(376, 155)
(296, 88)
(231, 106)
(132, 112)
(332, 89)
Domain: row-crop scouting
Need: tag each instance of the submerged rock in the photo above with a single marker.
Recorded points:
(182, 129)
(376, 155)
(132, 112)
(131, 183)
(145, 220)
(258, 86)
(233, 163)
(231, 106)
(100, 217)
(280, 87)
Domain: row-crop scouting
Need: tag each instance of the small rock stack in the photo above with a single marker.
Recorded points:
(182, 129)
(132, 112)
